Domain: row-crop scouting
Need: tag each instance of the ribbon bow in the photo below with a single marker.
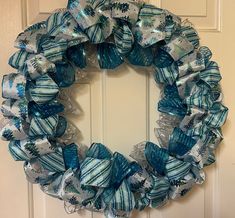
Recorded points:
(93, 17)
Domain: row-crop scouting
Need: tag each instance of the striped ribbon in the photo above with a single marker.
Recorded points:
(167, 74)
(123, 199)
(191, 34)
(165, 164)
(159, 192)
(27, 149)
(53, 162)
(211, 75)
(140, 56)
(97, 179)
(43, 127)
(62, 25)
(123, 38)
(201, 98)
(30, 39)
(54, 22)
(94, 18)
(44, 89)
(18, 59)
(54, 50)
(176, 169)
(96, 172)
(108, 56)
(217, 115)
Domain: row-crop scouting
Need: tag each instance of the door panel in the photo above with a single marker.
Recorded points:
(119, 109)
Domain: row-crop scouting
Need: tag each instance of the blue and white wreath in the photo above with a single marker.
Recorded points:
(191, 110)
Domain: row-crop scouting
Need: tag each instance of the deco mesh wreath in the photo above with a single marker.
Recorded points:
(50, 55)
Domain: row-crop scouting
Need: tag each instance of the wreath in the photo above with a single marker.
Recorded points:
(50, 58)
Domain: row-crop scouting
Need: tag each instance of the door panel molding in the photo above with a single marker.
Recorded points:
(206, 17)
(209, 20)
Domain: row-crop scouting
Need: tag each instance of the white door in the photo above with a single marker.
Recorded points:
(119, 110)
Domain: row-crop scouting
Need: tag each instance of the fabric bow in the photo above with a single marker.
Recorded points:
(93, 17)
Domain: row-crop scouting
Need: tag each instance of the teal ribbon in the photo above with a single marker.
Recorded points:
(30, 40)
(18, 59)
(62, 25)
(38, 66)
(14, 129)
(93, 17)
(43, 90)
(15, 108)
(28, 149)
(14, 86)
(150, 18)
(123, 38)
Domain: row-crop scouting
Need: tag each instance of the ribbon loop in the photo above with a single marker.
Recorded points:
(180, 143)
(70, 154)
(166, 75)
(53, 162)
(178, 47)
(176, 169)
(94, 18)
(157, 157)
(123, 199)
(35, 173)
(77, 55)
(27, 149)
(158, 195)
(15, 108)
(191, 34)
(96, 172)
(99, 151)
(43, 127)
(108, 56)
(30, 39)
(150, 28)
(211, 74)
(14, 129)
(217, 115)
(44, 89)
(14, 86)
(18, 59)
(38, 66)
(123, 38)
(45, 110)
(172, 106)
(125, 10)
(140, 56)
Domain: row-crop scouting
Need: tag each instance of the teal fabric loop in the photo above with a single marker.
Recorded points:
(123, 37)
(43, 90)
(140, 56)
(108, 56)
